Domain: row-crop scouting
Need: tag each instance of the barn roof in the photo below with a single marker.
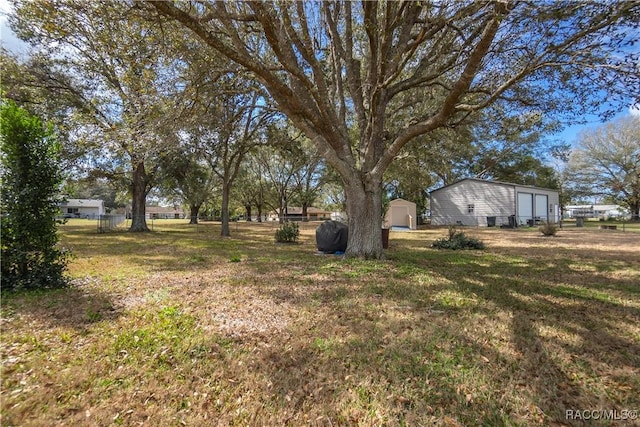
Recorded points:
(486, 181)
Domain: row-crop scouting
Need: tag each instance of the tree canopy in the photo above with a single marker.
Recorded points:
(120, 70)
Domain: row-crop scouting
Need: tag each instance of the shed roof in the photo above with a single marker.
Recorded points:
(400, 200)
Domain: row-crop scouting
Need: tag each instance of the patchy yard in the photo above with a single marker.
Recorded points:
(182, 327)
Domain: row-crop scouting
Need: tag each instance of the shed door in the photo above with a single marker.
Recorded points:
(525, 207)
(399, 216)
(542, 207)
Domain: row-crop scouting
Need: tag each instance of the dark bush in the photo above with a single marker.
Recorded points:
(457, 240)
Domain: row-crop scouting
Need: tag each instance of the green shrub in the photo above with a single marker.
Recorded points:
(288, 233)
(457, 240)
(31, 178)
(548, 229)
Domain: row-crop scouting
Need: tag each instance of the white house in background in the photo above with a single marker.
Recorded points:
(596, 211)
(401, 213)
(478, 202)
(164, 212)
(82, 208)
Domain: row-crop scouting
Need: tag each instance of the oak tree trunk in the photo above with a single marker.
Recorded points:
(282, 212)
(226, 188)
(194, 210)
(259, 207)
(138, 199)
(364, 208)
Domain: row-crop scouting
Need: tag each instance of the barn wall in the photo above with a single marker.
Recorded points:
(450, 205)
(470, 201)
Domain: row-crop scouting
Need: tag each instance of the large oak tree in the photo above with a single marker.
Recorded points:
(117, 67)
(364, 79)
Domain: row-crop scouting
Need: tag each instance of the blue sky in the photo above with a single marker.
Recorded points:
(568, 135)
(8, 38)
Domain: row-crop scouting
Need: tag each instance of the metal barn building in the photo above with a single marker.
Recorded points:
(478, 202)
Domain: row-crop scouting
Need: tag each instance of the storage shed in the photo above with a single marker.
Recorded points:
(401, 213)
(478, 202)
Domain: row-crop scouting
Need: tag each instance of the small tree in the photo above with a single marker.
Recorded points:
(288, 232)
(31, 179)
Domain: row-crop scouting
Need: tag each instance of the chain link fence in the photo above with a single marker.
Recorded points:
(108, 223)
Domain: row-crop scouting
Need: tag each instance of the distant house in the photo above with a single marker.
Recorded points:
(595, 211)
(294, 213)
(401, 213)
(479, 202)
(82, 208)
(164, 212)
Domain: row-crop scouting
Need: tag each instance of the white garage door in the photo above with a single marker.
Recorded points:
(525, 207)
(541, 207)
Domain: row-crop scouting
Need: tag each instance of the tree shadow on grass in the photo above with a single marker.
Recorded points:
(570, 336)
(76, 306)
(388, 344)
(178, 250)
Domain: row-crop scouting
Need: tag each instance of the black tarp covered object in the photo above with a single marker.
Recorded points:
(332, 236)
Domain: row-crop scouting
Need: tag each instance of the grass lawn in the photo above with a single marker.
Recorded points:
(183, 327)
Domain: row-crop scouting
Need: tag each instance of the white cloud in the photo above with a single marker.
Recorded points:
(635, 110)
(5, 6)
(7, 38)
